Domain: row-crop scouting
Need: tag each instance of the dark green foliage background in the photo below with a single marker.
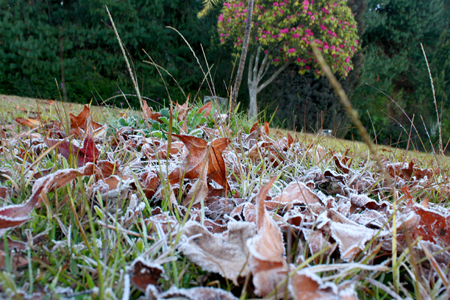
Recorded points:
(31, 33)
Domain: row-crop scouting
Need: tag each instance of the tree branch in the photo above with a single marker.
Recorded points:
(271, 78)
(248, 27)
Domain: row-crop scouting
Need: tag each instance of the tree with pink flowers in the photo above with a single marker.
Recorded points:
(281, 34)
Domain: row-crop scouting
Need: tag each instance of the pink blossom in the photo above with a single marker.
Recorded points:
(241, 4)
(221, 17)
(257, 38)
(282, 3)
(276, 60)
(263, 36)
(320, 49)
(356, 41)
(323, 27)
(222, 40)
(244, 10)
(308, 67)
(332, 47)
(325, 46)
(222, 34)
(347, 59)
(281, 12)
(299, 59)
(227, 5)
(309, 13)
(334, 4)
(341, 46)
(340, 22)
(305, 2)
(325, 10)
(313, 18)
(292, 50)
(275, 4)
(284, 30)
(353, 48)
(266, 51)
(334, 34)
(297, 35)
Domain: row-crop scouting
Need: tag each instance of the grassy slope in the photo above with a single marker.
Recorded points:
(10, 108)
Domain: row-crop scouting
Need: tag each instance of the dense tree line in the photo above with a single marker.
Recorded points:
(73, 43)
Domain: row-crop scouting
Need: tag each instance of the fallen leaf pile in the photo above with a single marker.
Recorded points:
(260, 211)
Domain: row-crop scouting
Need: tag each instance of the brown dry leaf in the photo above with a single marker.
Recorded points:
(429, 224)
(351, 238)
(143, 273)
(83, 119)
(205, 108)
(317, 241)
(108, 168)
(149, 114)
(225, 254)
(305, 285)
(194, 163)
(267, 261)
(198, 191)
(17, 260)
(216, 164)
(297, 192)
(31, 123)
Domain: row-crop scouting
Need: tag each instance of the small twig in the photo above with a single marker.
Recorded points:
(435, 103)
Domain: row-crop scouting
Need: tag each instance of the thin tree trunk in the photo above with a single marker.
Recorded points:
(253, 109)
(240, 71)
(255, 73)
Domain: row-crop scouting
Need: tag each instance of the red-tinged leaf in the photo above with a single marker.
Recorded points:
(340, 165)
(149, 114)
(267, 260)
(206, 108)
(290, 140)
(31, 123)
(255, 126)
(266, 127)
(83, 119)
(88, 153)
